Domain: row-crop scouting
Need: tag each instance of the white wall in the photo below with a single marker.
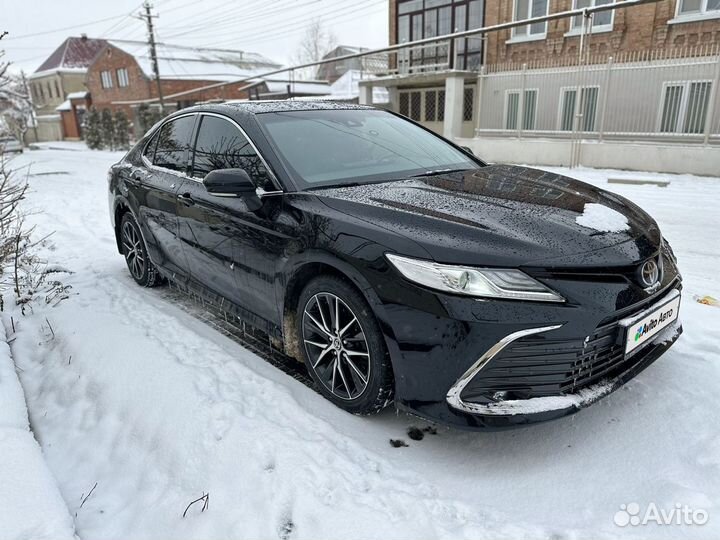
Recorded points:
(700, 160)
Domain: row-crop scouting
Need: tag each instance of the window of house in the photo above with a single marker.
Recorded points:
(684, 106)
(57, 89)
(174, 144)
(419, 19)
(600, 21)
(122, 77)
(49, 91)
(106, 79)
(512, 109)
(415, 104)
(430, 106)
(588, 98)
(698, 7)
(423, 105)
(468, 102)
(404, 103)
(221, 145)
(526, 9)
(42, 92)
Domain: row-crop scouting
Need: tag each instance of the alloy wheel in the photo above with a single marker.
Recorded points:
(336, 346)
(132, 246)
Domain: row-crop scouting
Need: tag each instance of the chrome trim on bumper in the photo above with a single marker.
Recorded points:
(453, 396)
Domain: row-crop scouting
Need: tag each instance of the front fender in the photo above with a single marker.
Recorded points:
(369, 259)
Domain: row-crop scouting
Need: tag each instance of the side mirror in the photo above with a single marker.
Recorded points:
(233, 183)
(468, 150)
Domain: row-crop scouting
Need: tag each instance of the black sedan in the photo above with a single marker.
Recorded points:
(397, 266)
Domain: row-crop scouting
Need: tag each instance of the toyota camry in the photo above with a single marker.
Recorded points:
(397, 266)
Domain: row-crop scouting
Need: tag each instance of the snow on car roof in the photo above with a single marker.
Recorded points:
(260, 107)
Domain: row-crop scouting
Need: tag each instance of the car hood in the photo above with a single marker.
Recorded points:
(504, 215)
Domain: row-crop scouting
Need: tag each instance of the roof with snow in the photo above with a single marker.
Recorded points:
(64, 106)
(280, 87)
(348, 87)
(193, 63)
(342, 50)
(75, 53)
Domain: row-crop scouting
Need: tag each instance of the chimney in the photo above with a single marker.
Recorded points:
(83, 37)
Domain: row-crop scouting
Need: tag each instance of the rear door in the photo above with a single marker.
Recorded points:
(229, 247)
(166, 160)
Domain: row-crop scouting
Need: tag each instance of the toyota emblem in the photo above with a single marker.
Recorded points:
(649, 273)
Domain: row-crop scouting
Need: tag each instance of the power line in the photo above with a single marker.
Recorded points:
(260, 35)
(221, 20)
(56, 30)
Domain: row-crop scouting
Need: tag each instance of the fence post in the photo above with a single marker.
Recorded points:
(366, 93)
(579, 113)
(605, 98)
(451, 55)
(454, 88)
(521, 102)
(479, 98)
(709, 115)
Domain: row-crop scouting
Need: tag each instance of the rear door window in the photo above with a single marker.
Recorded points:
(173, 145)
(149, 151)
(221, 145)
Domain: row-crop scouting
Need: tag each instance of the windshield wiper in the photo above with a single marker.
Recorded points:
(439, 171)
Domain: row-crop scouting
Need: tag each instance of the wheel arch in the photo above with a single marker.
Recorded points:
(121, 208)
(311, 265)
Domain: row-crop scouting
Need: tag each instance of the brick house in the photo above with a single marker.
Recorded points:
(663, 25)
(60, 75)
(121, 77)
(419, 86)
(651, 85)
(122, 73)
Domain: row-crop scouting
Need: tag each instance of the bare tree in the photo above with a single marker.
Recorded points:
(315, 44)
(15, 101)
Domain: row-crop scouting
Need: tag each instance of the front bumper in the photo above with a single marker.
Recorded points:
(569, 351)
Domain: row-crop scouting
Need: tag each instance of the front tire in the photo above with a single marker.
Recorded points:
(134, 250)
(343, 347)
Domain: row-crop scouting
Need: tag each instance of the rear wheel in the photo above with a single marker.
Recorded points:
(133, 249)
(343, 347)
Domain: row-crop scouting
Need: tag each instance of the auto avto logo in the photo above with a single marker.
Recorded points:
(650, 325)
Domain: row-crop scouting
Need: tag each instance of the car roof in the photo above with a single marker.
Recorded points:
(243, 109)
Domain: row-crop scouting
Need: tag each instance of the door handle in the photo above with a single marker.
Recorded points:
(186, 199)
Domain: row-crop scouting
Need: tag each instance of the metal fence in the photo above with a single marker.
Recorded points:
(660, 95)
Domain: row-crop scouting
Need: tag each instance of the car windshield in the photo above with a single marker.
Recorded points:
(323, 148)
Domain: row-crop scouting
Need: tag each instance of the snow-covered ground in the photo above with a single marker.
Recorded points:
(31, 506)
(130, 393)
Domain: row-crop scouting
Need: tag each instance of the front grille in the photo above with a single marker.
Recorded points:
(536, 366)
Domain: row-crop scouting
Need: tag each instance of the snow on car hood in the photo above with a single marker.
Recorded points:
(516, 215)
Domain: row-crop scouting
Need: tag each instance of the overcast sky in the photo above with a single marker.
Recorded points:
(272, 28)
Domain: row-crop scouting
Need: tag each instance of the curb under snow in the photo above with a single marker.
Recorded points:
(30, 502)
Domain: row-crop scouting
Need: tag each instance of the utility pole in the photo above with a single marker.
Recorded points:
(148, 17)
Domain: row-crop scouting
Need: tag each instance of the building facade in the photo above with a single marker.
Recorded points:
(122, 76)
(333, 71)
(668, 24)
(61, 74)
(645, 93)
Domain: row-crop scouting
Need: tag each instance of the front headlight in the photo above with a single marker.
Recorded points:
(507, 284)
